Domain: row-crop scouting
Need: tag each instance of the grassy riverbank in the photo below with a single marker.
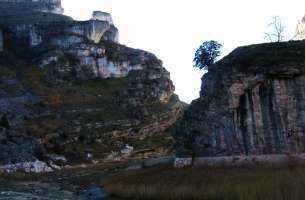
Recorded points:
(261, 183)
(166, 183)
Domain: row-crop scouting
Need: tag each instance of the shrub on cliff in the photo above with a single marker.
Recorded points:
(206, 54)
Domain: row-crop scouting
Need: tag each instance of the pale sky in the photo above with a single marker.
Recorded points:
(174, 29)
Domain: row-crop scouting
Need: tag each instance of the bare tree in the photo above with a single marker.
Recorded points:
(277, 30)
(300, 30)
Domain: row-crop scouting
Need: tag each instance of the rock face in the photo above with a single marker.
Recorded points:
(19, 6)
(68, 88)
(252, 102)
(1, 40)
(53, 31)
(102, 16)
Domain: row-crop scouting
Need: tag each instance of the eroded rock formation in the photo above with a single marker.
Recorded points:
(9, 7)
(69, 90)
(252, 103)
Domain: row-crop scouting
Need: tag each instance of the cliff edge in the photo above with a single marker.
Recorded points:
(252, 102)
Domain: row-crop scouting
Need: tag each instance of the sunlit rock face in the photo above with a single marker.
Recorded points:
(61, 33)
(112, 33)
(300, 30)
(252, 102)
(28, 23)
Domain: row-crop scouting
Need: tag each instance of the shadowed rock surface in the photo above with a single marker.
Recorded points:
(252, 102)
(71, 94)
(14, 7)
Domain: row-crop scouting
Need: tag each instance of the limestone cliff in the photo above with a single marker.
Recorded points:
(252, 103)
(11, 7)
(70, 93)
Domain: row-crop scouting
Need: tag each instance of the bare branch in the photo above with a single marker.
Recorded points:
(277, 29)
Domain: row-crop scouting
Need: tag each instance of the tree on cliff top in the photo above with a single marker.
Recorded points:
(277, 30)
(206, 54)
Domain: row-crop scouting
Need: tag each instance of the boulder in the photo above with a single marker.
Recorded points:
(33, 167)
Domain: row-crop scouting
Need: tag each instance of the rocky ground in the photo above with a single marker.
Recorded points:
(114, 182)
(79, 183)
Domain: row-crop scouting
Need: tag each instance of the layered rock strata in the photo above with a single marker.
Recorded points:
(1, 40)
(71, 94)
(9, 7)
(252, 103)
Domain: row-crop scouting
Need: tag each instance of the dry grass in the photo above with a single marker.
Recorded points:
(261, 183)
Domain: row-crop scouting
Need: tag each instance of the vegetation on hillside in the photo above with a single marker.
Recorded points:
(165, 183)
(263, 57)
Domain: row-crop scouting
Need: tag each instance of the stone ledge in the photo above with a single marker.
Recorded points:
(277, 160)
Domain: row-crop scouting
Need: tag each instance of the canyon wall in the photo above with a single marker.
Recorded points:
(11, 7)
(71, 94)
(252, 102)
(1, 40)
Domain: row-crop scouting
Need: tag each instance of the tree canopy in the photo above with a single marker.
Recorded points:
(206, 54)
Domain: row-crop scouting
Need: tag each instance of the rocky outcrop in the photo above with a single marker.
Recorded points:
(68, 88)
(55, 31)
(252, 103)
(28, 23)
(102, 16)
(29, 167)
(9, 7)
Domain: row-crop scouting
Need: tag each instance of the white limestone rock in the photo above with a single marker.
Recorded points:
(92, 30)
(112, 34)
(109, 69)
(28, 167)
(49, 6)
(102, 16)
(93, 59)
